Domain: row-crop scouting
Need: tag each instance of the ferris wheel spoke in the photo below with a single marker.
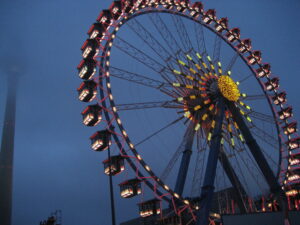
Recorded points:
(199, 33)
(143, 58)
(148, 105)
(232, 62)
(164, 32)
(245, 78)
(149, 39)
(159, 130)
(262, 116)
(255, 97)
(217, 49)
(142, 80)
(183, 34)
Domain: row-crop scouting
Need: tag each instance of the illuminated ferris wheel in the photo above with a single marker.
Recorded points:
(192, 109)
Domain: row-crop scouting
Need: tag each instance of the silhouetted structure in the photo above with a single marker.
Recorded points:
(7, 151)
(54, 219)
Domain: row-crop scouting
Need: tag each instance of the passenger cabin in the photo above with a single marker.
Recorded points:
(116, 10)
(90, 48)
(87, 91)
(279, 98)
(295, 156)
(97, 30)
(272, 84)
(105, 18)
(290, 128)
(114, 165)
(244, 46)
(286, 113)
(264, 70)
(130, 188)
(182, 5)
(254, 58)
(209, 16)
(168, 4)
(233, 35)
(197, 9)
(222, 24)
(86, 69)
(127, 5)
(92, 115)
(101, 140)
(149, 208)
(294, 143)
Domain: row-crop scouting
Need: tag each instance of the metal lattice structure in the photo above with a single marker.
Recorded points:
(233, 118)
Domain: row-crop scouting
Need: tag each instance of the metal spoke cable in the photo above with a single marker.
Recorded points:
(255, 97)
(164, 32)
(265, 137)
(142, 80)
(148, 105)
(142, 57)
(158, 131)
(217, 49)
(199, 33)
(254, 177)
(232, 62)
(182, 33)
(262, 116)
(150, 40)
(245, 78)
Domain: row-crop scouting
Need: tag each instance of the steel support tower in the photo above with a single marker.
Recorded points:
(7, 151)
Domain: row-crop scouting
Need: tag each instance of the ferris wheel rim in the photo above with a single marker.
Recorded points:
(131, 16)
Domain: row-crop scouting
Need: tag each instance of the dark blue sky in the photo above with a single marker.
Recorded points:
(54, 166)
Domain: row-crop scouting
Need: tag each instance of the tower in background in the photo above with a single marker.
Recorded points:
(7, 148)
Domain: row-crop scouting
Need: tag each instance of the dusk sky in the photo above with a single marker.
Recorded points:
(54, 167)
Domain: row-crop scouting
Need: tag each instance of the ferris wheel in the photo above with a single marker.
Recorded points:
(186, 102)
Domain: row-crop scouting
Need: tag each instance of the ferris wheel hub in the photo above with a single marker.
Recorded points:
(228, 88)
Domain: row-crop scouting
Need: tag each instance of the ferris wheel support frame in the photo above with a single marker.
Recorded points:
(185, 160)
(238, 187)
(210, 171)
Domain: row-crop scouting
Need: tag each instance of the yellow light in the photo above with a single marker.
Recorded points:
(180, 99)
(209, 137)
(181, 62)
(197, 107)
(176, 71)
(198, 67)
(193, 71)
(228, 88)
(197, 126)
(189, 57)
(190, 77)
